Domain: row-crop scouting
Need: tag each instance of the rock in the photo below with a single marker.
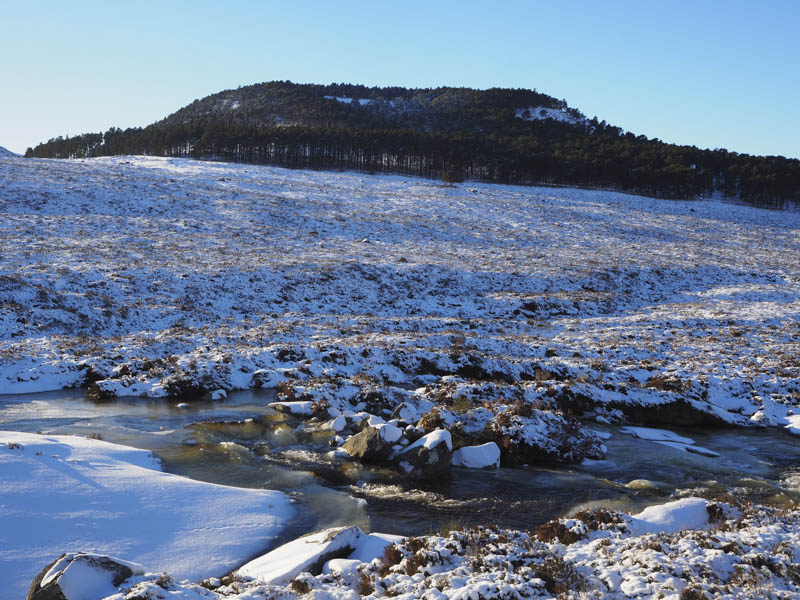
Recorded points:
(642, 484)
(78, 576)
(406, 413)
(216, 395)
(477, 457)
(428, 456)
(339, 423)
(369, 446)
(390, 433)
(308, 553)
(339, 550)
(301, 408)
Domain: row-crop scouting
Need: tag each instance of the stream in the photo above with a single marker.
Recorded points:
(242, 442)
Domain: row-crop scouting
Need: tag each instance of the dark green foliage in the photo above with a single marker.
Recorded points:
(447, 133)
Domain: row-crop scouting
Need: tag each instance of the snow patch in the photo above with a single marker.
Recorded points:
(687, 513)
(541, 113)
(72, 494)
(477, 457)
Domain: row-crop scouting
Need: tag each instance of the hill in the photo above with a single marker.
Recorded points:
(498, 135)
(4, 153)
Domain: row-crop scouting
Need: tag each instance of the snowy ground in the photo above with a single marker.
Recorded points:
(481, 310)
(70, 494)
(686, 549)
(170, 276)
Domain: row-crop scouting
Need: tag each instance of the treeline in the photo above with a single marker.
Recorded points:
(447, 131)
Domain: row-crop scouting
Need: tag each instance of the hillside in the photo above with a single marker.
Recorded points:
(454, 328)
(176, 278)
(496, 135)
(4, 153)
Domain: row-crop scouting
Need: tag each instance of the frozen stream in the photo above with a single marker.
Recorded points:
(241, 442)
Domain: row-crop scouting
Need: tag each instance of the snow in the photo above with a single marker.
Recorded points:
(793, 424)
(389, 433)
(687, 513)
(79, 580)
(656, 435)
(286, 562)
(668, 438)
(540, 113)
(477, 457)
(300, 407)
(344, 100)
(659, 553)
(372, 545)
(4, 153)
(431, 440)
(71, 494)
(240, 276)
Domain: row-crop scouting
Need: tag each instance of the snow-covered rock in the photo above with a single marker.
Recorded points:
(477, 457)
(686, 513)
(428, 456)
(311, 553)
(369, 445)
(302, 408)
(82, 576)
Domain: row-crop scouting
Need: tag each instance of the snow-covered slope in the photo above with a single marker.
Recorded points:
(69, 494)
(156, 276)
(4, 153)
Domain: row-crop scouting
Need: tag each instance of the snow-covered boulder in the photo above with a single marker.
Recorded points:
(301, 408)
(81, 576)
(428, 456)
(686, 513)
(338, 549)
(308, 553)
(477, 457)
(370, 445)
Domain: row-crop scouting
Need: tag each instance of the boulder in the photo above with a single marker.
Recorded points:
(299, 408)
(369, 446)
(334, 550)
(405, 412)
(428, 456)
(308, 553)
(77, 576)
(477, 457)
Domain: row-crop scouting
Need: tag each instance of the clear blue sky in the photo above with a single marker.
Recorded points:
(709, 73)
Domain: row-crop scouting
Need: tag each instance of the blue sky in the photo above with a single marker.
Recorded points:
(713, 74)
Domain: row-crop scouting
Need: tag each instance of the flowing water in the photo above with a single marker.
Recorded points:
(241, 442)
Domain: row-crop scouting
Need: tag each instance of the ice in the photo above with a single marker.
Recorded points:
(656, 435)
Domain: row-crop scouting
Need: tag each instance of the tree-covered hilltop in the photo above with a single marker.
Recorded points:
(499, 135)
